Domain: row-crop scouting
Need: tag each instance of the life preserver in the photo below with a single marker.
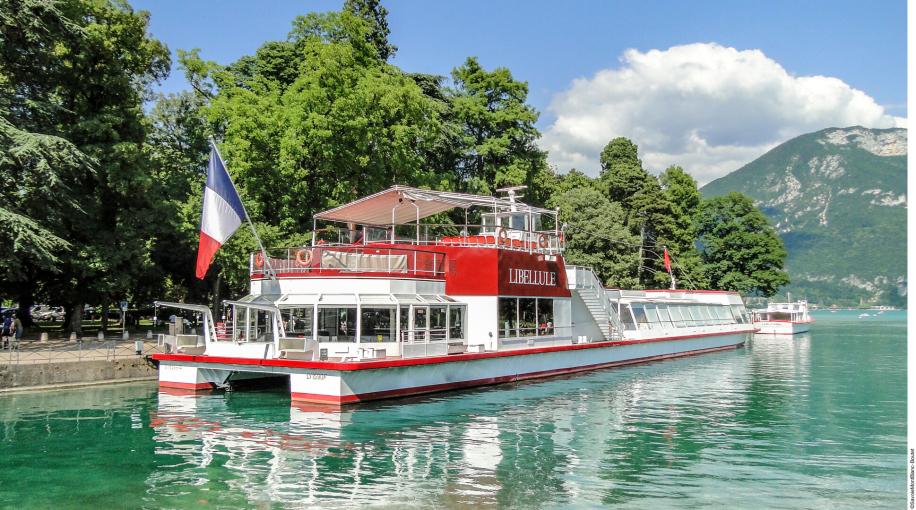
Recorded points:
(258, 260)
(542, 240)
(304, 257)
(503, 236)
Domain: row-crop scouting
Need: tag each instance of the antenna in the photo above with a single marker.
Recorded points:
(510, 192)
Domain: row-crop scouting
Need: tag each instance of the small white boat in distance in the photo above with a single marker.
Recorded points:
(783, 318)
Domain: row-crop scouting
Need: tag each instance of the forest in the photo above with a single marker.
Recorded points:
(101, 177)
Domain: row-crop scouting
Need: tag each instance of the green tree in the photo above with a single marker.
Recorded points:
(497, 131)
(80, 71)
(376, 16)
(596, 236)
(740, 249)
(622, 173)
(682, 193)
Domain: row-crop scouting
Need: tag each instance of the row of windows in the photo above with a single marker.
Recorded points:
(378, 324)
(665, 316)
(525, 317)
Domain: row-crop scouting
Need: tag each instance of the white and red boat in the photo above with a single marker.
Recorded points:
(783, 318)
(383, 304)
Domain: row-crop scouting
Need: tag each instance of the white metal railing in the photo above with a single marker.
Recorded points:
(424, 335)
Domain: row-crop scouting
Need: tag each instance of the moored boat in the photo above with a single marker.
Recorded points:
(783, 318)
(383, 304)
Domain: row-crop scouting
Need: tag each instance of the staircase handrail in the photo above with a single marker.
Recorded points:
(595, 283)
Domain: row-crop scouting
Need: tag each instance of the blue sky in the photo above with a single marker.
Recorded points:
(550, 44)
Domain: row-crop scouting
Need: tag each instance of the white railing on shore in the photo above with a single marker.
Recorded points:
(84, 349)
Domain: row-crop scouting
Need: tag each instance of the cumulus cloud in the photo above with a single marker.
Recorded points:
(703, 106)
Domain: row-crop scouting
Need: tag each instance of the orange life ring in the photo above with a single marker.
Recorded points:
(304, 257)
(542, 240)
(503, 236)
(258, 260)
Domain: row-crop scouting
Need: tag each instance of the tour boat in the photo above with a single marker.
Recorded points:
(384, 304)
(783, 318)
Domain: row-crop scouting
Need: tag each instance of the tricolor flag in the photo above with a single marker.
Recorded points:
(222, 213)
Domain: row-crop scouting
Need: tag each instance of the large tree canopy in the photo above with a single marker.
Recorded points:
(739, 247)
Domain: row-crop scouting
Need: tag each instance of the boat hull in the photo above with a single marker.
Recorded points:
(345, 383)
(782, 327)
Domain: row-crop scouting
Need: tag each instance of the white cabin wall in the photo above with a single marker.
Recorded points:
(481, 320)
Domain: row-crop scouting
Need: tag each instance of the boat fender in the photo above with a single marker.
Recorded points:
(304, 257)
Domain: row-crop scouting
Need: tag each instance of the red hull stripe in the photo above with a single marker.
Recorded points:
(402, 392)
(371, 365)
(186, 385)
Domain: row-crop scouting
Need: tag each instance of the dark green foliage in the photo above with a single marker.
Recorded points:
(739, 247)
(376, 16)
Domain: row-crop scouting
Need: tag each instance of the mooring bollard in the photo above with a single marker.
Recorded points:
(73, 337)
(44, 338)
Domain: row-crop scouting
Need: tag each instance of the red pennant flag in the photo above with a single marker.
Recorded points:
(667, 261)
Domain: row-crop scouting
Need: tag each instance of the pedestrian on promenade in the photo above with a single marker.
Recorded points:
(7, 330)
(17, 329)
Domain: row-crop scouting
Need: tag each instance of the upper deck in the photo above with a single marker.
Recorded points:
(384, 236)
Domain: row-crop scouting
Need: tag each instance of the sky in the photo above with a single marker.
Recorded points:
(706, 85)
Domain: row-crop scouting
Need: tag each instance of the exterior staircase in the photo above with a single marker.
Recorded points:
(584, 282)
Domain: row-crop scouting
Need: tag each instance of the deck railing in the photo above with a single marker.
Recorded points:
(344, 259)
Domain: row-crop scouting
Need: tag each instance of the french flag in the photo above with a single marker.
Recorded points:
(222, 213)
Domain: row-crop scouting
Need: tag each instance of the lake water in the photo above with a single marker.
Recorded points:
(811, 421)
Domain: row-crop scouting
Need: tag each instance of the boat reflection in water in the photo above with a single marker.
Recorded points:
(532, 442)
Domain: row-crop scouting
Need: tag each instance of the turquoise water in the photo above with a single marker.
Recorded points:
(811, 421)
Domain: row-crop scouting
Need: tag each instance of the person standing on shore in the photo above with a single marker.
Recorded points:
(17, 329)
(7, 331)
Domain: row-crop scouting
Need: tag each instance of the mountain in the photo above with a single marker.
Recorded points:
(838, 200)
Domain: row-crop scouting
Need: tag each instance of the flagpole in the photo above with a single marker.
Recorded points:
(270, 270)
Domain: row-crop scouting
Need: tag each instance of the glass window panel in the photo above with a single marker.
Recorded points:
(297, 321)
(545, 317)
(337, 324)
(626, 318)
(639, 313)
(676, 318)
(456, 322)
(437, 322)
(377, 325)
(527, 316)
(508, 317)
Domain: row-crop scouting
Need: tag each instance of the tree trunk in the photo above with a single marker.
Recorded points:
(75, 319)
(217, 283)
(104, 326)
(26, 300)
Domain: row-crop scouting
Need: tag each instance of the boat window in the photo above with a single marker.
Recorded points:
(456, 322)
(437, 322)
(652, 317)
(675, 312)
(336, 324)
(297, 321)
(639, 313)
(527, 316)
(489, 223)
(626, 318)
(725, 314)
(545, 317)
(376, 325)
(508, 317)
(404, 316)
(663, 317)
(518, 221)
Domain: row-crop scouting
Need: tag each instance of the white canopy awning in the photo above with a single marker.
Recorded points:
(404, 204)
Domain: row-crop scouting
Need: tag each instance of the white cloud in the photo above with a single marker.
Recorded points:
(708, 108)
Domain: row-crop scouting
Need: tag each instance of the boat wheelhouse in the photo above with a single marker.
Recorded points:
(388, 301)
(783, 318)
